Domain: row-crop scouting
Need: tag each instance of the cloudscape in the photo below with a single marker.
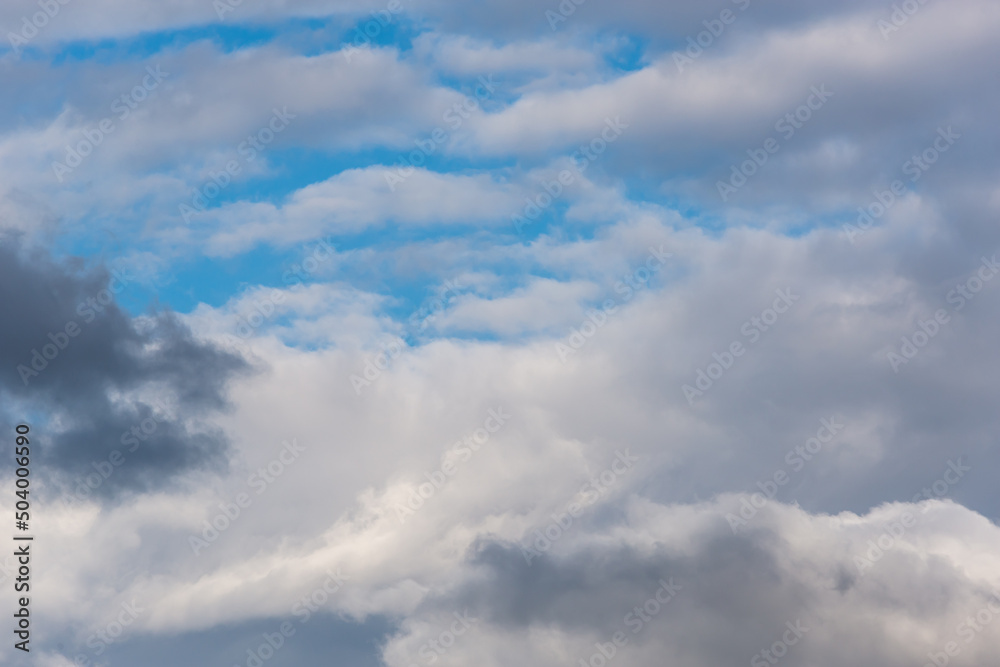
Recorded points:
(566, 333)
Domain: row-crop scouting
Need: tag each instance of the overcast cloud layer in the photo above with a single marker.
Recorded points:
(404, 334)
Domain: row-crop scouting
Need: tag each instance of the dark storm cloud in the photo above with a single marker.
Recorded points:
(738, 595)
(72, 364)
(595, 588)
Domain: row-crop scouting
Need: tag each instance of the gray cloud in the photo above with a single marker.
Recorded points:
(101, 389)
(825, 360)
(738, 594)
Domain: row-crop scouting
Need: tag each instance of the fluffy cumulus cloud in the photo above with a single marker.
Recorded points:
(390, 334)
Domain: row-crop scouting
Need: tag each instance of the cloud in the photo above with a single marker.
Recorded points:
(799, 374)
(99, 380)
(461, 54)
(679, 586)
(360, 198)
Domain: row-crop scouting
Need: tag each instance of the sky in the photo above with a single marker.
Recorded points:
(405, 333)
